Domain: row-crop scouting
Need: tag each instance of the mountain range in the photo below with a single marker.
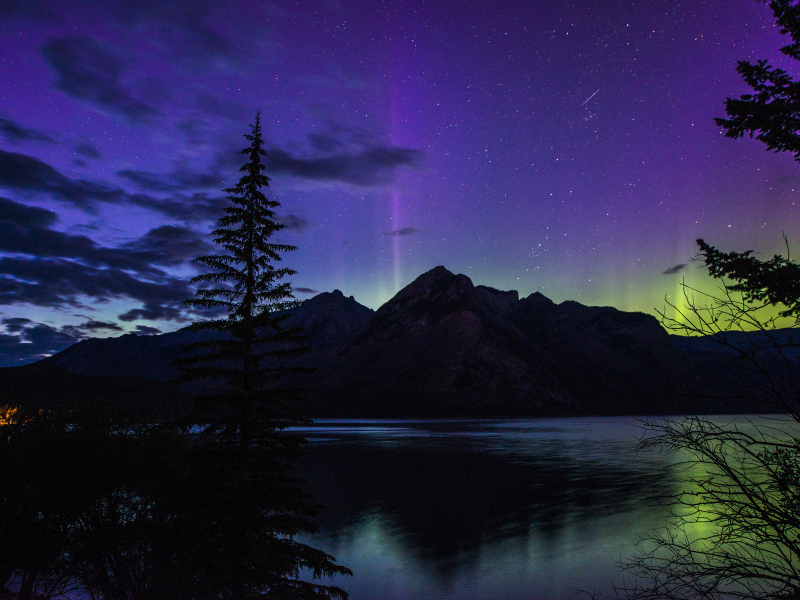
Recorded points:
(443, 347)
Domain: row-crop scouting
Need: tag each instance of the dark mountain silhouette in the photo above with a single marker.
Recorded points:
(329, 320)
(445, 347)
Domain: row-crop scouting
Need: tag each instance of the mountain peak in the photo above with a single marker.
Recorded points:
(437, 271)
(330, 316)
(429, 286)
(336, 297)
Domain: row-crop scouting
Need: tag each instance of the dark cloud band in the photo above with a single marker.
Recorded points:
(294, 223)
(16, 133)
(180, 179)
(26, 341)
(88, 70)
(27, 174)
(369, 167)
(673, 270)
(87, 150)
(25, 216)
(54, 269)
(401, 232)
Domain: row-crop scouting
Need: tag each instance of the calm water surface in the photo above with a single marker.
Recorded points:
(516, 509)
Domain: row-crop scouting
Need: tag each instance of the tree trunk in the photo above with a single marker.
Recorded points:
(26, 590)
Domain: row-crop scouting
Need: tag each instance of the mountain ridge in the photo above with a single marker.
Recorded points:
(444, 347)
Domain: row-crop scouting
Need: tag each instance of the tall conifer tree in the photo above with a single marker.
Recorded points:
(245, 504)
(247, 285)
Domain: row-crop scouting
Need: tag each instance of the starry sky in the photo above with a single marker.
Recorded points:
(561, 147)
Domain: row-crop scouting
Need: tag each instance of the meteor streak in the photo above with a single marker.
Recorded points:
(590, 97)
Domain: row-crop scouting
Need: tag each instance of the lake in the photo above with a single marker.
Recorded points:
(480, 509)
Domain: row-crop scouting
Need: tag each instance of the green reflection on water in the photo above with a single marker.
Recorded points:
(511, 509)
(734, 521)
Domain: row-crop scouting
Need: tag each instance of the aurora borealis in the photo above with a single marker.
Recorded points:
(566, 148)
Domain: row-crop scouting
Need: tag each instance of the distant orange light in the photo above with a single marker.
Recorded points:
(10, 415)
(7, 414)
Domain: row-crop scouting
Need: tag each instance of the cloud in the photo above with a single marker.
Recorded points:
(27, 174)
(190, 208)
(146, 330)
(169, 245)
(673, 270)
(57, 270)
(90, 326)
(32, 9)
(91, 271)
(23, 172)
(203, 34)
(337, 77)
(25, 230)
(343, 154)
(15, 133)
(184, 20)
(43, 242)
(402, 232)
(305, 290)
(196, 131)
(16, 324)
(371, 166)
(294, 223)
(181, 178)
(26, 216)
(218, 107)
(62, 283)
(86, 149)
(153, 312)
(88, 70)
(27, 341)
(324, 142)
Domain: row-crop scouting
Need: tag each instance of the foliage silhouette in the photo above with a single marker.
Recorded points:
(148, 514)
(735, 527)
(734, 530)
(246, 455)
(250, 408)
(94, 502)
(772, 113)
(776, 280)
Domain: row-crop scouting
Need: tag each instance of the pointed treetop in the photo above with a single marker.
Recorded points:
(255, 149)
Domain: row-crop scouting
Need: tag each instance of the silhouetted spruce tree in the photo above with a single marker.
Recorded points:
(243, 496)
(775, 281)
(772, 113)
(248, 286)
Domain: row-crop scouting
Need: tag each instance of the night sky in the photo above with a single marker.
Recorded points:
(561, 147)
